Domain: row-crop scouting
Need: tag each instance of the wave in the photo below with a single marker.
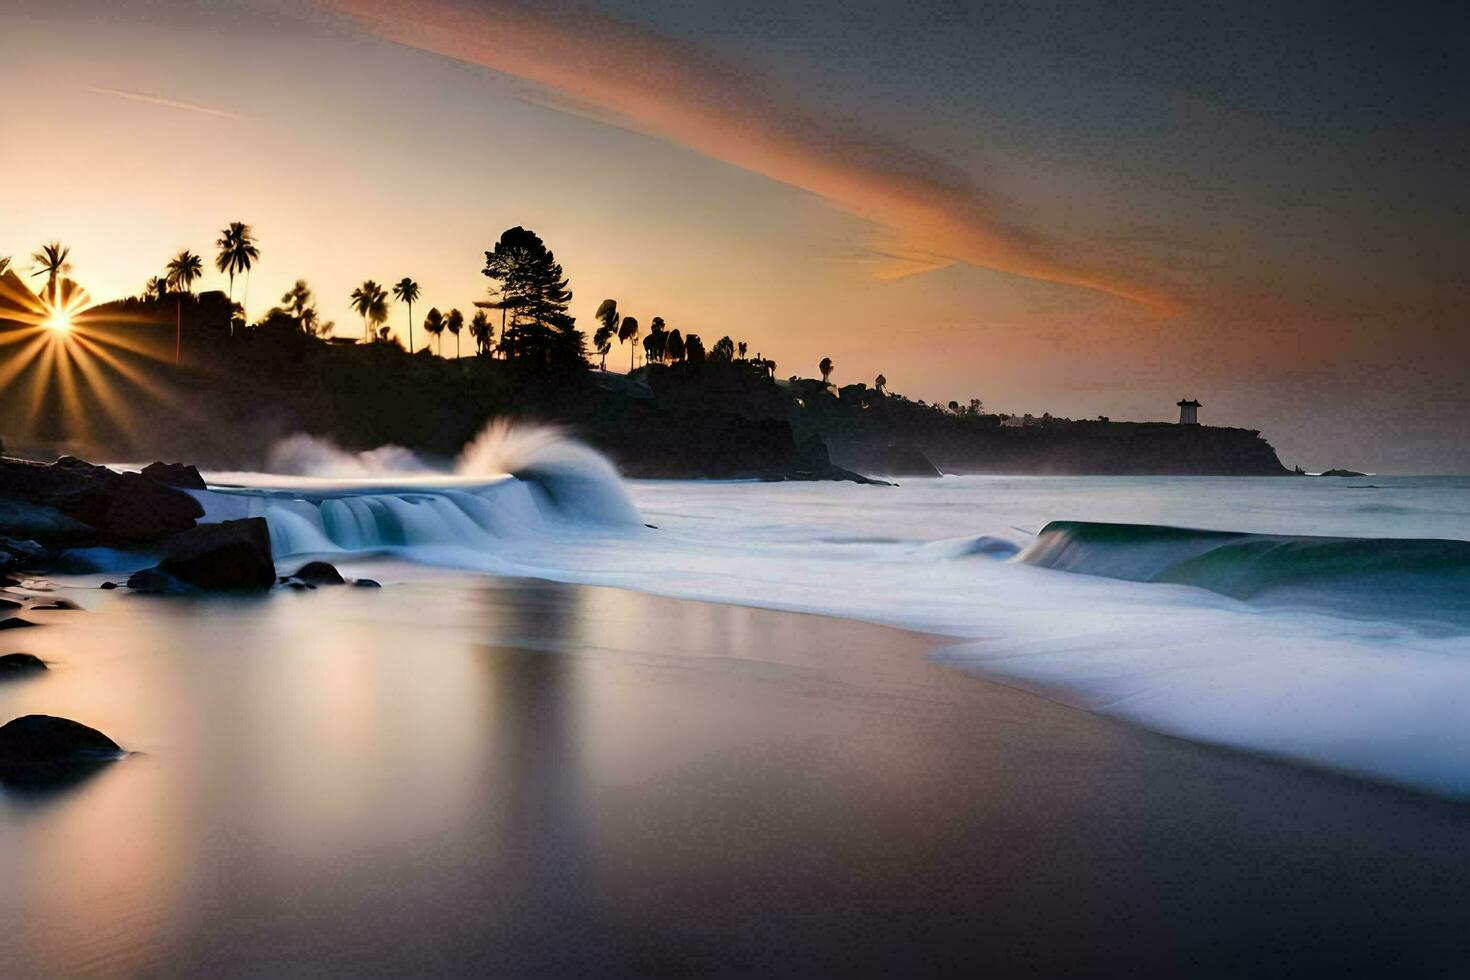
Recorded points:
(1393, 578)
(510, 481)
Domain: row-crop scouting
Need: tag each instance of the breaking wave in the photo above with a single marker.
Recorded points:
(510, 481)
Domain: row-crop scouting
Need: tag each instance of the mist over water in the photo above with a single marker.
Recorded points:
(1332, 628)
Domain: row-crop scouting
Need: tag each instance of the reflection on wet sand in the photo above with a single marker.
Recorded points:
(476, 775)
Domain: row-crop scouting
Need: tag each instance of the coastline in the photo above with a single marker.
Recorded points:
(461, 772)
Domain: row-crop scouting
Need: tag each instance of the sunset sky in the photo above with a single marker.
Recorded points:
(1066, 207)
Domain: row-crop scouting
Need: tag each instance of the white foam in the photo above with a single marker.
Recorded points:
(1375, 698)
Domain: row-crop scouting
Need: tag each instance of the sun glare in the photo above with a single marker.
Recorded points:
(59, 321)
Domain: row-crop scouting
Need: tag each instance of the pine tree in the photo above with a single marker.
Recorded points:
(533, 286)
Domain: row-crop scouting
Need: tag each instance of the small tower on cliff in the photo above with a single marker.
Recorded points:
(1189, 412)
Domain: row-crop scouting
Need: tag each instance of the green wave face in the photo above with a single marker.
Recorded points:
(1410, 579)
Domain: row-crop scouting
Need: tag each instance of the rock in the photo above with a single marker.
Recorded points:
(21, 555)
(108, 585)
(233, 555)
(56, 605)
(898, 460)
(15, 623)
(180, 475)
(9, 604)
(121, 508)
(366, 583)
(31, 521)
(319, 573)
(39, 749)
(13, 664)
(299, 586)
(1342, 473)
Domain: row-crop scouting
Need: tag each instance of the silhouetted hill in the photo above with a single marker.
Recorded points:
(112, 390)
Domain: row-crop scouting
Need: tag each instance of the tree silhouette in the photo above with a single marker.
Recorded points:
(237, 253)
(454, 323)
(51, 262)
(434, 324)
(826, 368)
(607, 328)
(628, 334)
(534, 288)
(406, 290)
(154, 288)
(656, 340)
(880, 383)
(183, 270)
(693, 349)
(724, 350)
(480, 329)
(674, 346)
(742, 348)
(298, 302)
(370, 301)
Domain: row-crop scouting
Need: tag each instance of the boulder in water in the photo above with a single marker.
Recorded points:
(180, 475)
(15, 623)
(233, 556)
(319, 573)
(15, 664)
(9, 604)
(118, 508)
(366, 583)
(40, 749)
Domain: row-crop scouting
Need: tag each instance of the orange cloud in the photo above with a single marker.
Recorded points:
(935, 214)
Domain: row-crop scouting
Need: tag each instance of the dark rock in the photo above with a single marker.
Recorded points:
(366, 583)
(40, 749)
(299, 586)
(25, 520)
(1342, 473)
(121, 508)
(108, 585)
(24, 555)
(180, 475)
(12, 664)
(55, 605)
(9, 604)
(319, 573)
(15, 623)
(233, 555)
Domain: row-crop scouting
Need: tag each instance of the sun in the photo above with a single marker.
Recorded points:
(59, 321)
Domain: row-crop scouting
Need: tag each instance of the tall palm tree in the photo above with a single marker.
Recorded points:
(826, 368)
(608, 319)
(880, 383)
(628, 334)
(51, 262)
(406, 290)
(154, 288)
(370, 302)
(237, 253)
(454, 323)
(481, 330)
(434, 322)
(183, 270)
(742, 348)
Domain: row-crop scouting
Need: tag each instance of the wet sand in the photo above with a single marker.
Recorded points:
(468, 775)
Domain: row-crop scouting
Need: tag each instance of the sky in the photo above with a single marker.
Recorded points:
(1077, 208)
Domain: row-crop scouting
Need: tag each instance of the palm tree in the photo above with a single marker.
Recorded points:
(826, 368)
(434, 322)
(628, 333)
(406, 290)
(297, 301)
(183, 270)
(880, 383)
(454, 323)
(154, 288)
(370, 302)
(608, 319)
(237, 253)
(657, 339)
(481, 330)
(51, 262)
(741, 348)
